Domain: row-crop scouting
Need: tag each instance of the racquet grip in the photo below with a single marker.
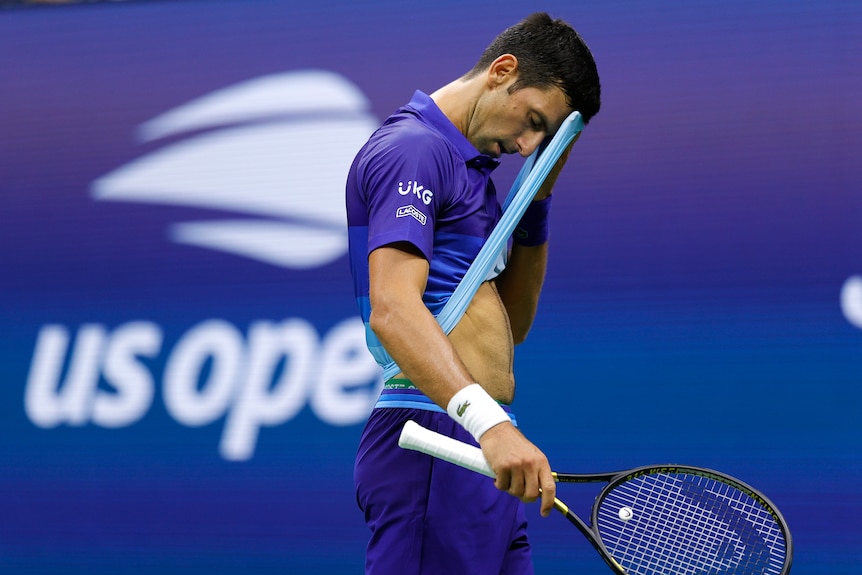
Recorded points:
(415, 437)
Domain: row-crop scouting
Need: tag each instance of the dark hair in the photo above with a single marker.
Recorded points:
(550, 53)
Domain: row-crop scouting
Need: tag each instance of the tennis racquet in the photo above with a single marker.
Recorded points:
(658, 520)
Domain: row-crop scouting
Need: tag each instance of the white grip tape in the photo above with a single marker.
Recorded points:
(415, 437)
(475, 410)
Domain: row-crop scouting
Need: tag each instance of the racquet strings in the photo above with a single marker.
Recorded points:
(689, 524)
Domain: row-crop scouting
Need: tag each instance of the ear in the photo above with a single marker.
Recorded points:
(502, 70)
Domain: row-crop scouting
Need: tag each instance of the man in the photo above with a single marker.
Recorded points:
(420, 205)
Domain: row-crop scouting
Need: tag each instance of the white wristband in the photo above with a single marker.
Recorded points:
(475, 410)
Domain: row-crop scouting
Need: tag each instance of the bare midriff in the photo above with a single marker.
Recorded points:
(483, 340)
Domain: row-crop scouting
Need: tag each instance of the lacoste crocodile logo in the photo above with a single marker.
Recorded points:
(462, 408)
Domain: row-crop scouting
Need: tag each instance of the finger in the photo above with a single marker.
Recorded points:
(503, 480)
(549, 491)
(564, 157)
(516, 484)
(532, 487)
(552, 176)
(532, 483)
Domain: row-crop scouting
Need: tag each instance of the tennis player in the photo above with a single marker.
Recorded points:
(420, 205)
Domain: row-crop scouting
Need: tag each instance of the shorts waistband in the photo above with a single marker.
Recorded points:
(401, 393)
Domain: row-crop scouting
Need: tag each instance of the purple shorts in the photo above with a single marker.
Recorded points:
(429, 517)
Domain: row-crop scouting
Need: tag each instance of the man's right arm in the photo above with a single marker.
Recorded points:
(410, 333)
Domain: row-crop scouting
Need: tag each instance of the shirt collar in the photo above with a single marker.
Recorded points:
(432, 115)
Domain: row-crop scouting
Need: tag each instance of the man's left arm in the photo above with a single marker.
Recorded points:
(520, 285)
(521, 282)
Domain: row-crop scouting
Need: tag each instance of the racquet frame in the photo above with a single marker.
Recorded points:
(417, 438)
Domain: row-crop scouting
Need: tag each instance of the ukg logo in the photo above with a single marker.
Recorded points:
(271, 153)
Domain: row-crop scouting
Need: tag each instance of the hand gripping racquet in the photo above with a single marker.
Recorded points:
(658, 520)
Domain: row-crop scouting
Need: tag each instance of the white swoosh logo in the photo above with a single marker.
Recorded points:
(278, 149)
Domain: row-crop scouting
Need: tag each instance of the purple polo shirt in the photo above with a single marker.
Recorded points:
(418, 179)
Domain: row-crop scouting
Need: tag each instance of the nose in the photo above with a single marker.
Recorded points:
(528, 143)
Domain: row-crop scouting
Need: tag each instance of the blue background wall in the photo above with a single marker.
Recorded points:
(704, 302)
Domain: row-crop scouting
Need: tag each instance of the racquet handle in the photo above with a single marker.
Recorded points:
(415, 437)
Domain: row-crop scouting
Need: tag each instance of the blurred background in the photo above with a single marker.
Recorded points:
(183, 379)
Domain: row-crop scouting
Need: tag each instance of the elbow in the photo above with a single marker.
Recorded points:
(377, 321)
(381, 320)
(519, 334)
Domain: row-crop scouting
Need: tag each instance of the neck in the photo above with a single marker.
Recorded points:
(457, 100)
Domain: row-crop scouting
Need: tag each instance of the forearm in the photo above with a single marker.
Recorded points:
(407, 329)
(521, 284)
(425, 355)
(414, 339)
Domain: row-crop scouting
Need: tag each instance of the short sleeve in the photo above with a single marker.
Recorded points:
(406, 176)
